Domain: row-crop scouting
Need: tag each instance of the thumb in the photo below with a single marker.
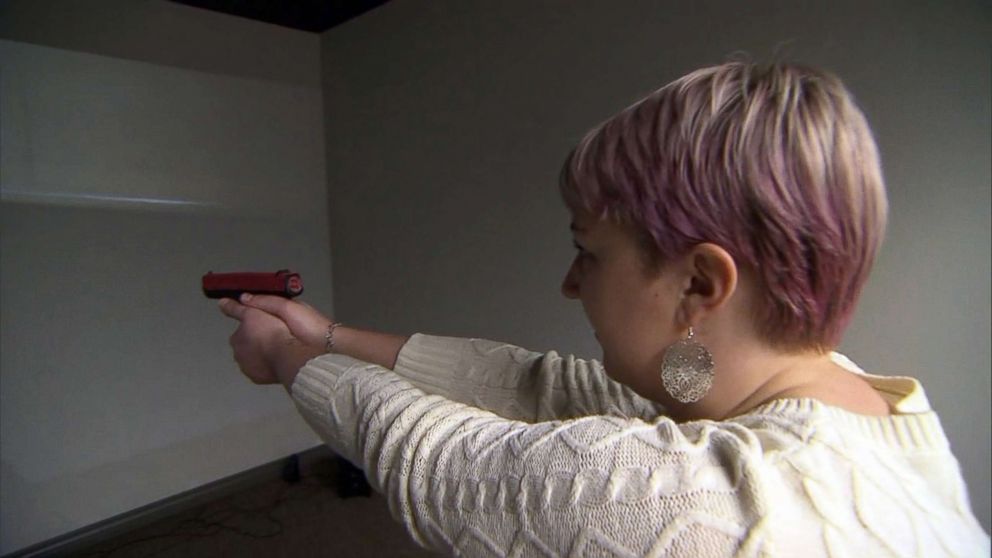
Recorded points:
(275, 305)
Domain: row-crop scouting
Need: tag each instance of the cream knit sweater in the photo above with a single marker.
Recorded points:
(486, 449)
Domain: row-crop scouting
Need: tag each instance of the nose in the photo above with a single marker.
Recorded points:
(570, 286)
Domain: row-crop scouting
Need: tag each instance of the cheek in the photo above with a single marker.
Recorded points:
(634, 328)
(606, 303)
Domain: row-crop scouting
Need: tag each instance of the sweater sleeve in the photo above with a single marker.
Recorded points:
(468, 482)
(516, 383)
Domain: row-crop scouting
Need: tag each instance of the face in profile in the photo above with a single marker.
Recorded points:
(630, 309)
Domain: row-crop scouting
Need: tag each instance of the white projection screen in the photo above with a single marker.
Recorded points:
(122, 183)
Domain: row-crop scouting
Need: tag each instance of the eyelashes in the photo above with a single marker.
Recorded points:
(582, 254)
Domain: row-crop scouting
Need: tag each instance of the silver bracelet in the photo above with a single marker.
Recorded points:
(329, 337)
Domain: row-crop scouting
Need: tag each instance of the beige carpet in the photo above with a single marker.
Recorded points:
(275, 519)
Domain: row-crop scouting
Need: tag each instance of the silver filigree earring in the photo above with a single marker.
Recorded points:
(687, 370)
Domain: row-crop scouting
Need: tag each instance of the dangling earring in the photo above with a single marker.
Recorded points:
(687, 370)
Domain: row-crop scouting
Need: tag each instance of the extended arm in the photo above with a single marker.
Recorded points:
(503, 378)
(516, 383)
(469, 482)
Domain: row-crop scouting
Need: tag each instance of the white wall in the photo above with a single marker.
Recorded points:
(447, 123)
(122, 183)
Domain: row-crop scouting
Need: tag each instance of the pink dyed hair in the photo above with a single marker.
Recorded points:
(776, 164)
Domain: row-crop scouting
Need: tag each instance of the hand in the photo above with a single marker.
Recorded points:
(259, 343)
(304, 322)
(310, 326)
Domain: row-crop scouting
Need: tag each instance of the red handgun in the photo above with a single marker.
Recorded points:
(282, 283)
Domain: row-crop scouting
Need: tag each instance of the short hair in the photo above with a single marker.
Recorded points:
(774, 163)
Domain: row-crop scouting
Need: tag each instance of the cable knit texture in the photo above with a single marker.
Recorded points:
(487, 449)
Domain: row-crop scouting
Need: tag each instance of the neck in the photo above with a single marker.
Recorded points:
(745, 378)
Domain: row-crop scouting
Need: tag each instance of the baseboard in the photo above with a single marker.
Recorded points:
(74, 541)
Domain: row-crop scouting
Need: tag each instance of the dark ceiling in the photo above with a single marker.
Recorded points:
(315, 16)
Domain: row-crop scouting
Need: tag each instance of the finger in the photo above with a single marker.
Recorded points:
(275, 305)
(231, 308)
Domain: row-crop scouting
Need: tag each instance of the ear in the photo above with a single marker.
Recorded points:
(710, 280)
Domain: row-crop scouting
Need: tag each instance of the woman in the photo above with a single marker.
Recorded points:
(725, 226)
